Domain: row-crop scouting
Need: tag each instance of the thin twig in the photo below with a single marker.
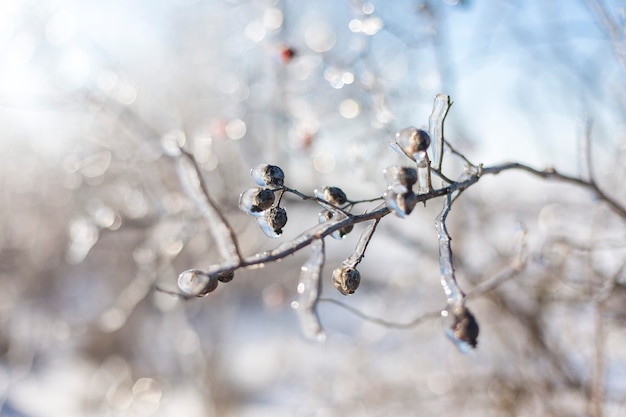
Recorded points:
(441, 175)
(318, 200)
(551, 173)
(597, 382)
(459, 154)
(382, 322)
(514, 268)
(612, 28)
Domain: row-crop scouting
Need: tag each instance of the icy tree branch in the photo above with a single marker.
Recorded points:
(223, 234)
(338, 219)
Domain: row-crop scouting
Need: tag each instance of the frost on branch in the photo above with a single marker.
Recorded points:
(462, 328)
(309, 289)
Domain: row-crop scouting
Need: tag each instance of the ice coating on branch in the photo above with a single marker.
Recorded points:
(423, 172)
(461, 326)
(194, 184)
(327, 215)
(453, 293)
(469, 171)
(359, 251)
(267, 175)
(435, 126)
(292, 245)
(346, 278)
(309, 289)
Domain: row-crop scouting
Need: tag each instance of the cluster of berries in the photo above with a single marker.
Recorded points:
(400, 197)
(261, 202)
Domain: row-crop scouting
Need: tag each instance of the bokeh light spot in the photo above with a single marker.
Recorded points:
(320, 37)
(235, 129)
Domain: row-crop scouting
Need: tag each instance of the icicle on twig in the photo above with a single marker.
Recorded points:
(309, 290)
(346, 278)
(435, 127)
(221, 231)
(462, 329)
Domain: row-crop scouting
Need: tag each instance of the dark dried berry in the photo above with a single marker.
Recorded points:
(346, 279)
(335, 195)
(268, 175)
(277, 219)
(422, 140)
(465, 327)
(406, 202)
(274, 175)
(263, 200)
(226, 276)
(412, 140)
(407, 176)
(341, 233)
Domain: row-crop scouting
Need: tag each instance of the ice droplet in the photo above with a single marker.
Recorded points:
(346, 279)
(267, 175)
(402, 204)
(309, 289)
(255, 201)
(400, 178)
(461, 328)
(272, 221)
(423, 174)
(197, 283)
(333, 195)
(409, 141)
